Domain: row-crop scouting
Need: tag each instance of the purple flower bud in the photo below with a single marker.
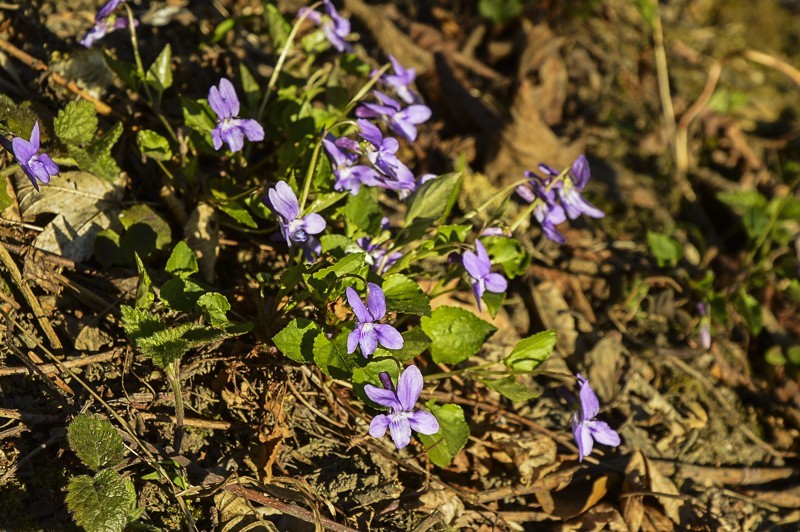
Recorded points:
(230, 129)
(403, 418)
(37, 166)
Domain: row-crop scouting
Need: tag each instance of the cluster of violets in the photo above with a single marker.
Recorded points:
(558, 194)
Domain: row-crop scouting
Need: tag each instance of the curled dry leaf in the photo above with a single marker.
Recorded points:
(83, 203)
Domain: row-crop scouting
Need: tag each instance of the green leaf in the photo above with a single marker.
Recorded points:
(144, 288)
(140, 323)
(369, 374)
(159, 75)
(153, 145)
(166, 346)
(277, 26)
(493, 301)
(181, 294)
(499, 11)
(238, 212)
(452, 436)
(743, 199)
(150, 335)
(332, 356)
(197, 115)
(430, 203)
(507, 253)
(215, 306)
(296, 340)
(5, 199)
(105, 503)
(222, 29)
(339, 243)
(96, 442)
(774, 356)
(453, 233)
(750, 309)
(756, 221)
(456, 334)
(96, 158)
(415, 341)
(144, 214)
(252, 92)
(76, 123)
(511, 388)
(323, 280)
(666, 250)
(182, 262)
(405, 296)
(362, 213)
(531, 352)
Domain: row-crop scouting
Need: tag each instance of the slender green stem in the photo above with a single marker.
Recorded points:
(502, 192)
(173, 372)
(282, 59)
(365, 89)
(312, 165)
(143, 75)
(462, 371)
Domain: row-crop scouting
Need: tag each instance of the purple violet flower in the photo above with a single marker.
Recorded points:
(401, 121)
(585, 428)
(569, 191)
(103, 28)
(368, 334)
(548, 212)
(37, 166)
(381, 153)
(479, 268)
(403, 418)
(343, 156)
(230, 129)
(335, 27)
(376, 256)
(108, 8)
(295, 229)
(401, 81)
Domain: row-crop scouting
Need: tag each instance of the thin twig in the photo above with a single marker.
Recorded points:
(44, 323)
(37, 64)
(52, 368)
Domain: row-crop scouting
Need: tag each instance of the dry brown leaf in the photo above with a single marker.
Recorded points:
(604, 363)
(447, 503)
(83, 203)
(635, 480)
(202, 235)
(555, 314)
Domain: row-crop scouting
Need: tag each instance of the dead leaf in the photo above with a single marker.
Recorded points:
(530, 454)
(83, 203)
(604, 363)
(555, 314)
(202, 235)
(447, 503)
(527, 139)
(635, 481)
(579, 496)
